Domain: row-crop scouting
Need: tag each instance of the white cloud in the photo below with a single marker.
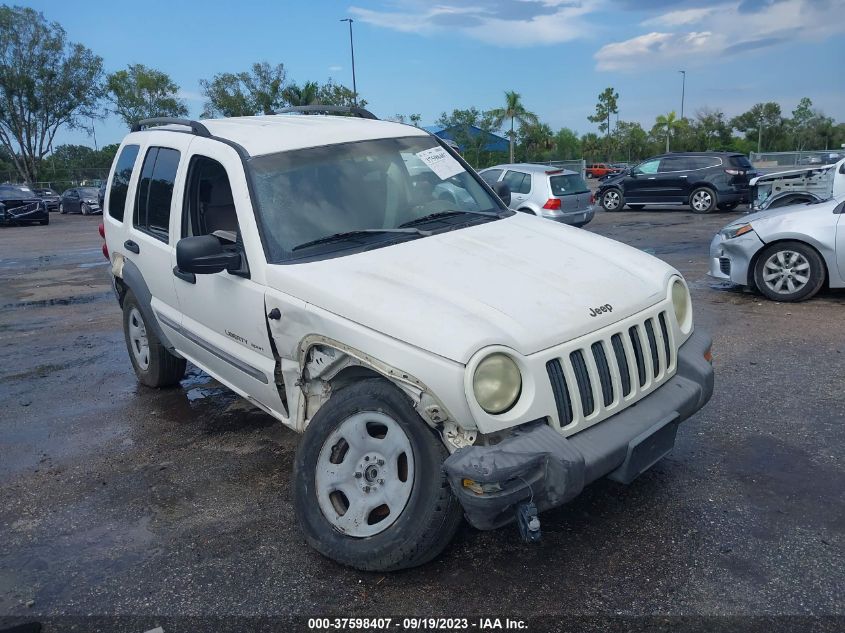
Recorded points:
(500, 22)
(189, 95)
(724, 30)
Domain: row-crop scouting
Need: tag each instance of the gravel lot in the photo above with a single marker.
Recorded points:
(117, 500)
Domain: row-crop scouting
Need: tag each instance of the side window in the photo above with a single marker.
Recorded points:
(120, 181)
(491, 176)
(676, 163)
(518, 182)
(155, 192)
(649, 167)
(209, 205)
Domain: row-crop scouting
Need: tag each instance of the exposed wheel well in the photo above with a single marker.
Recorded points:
(753, 264)
(526, 210)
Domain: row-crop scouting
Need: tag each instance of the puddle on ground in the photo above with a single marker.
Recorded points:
(93, 264)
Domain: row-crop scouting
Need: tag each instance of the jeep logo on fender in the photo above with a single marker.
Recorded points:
(601, 309)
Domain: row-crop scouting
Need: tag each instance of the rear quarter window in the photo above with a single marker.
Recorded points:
(155, 192)
(491, 175)
(741, 162)
(120, 181)
(567, 184)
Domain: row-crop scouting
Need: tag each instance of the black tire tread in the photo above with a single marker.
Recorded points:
(817, 269)
(165, 370)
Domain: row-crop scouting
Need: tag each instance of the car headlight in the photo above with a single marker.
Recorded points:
(497, 383)
(735, 230)
(682, 303)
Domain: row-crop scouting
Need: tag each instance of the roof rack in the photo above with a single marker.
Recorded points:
(329, 109)
(196, 127)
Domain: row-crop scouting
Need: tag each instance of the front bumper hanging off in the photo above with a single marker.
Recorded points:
(539, 464)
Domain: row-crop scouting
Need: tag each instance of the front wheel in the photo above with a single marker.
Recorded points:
(612, 200)
(702, 200)
(370, 491)
(84, 209)
(789, 271)
(62, 209)
(153, 364)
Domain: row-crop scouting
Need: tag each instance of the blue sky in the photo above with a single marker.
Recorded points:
(427, 57)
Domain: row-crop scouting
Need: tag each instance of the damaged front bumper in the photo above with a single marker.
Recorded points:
(536, 463)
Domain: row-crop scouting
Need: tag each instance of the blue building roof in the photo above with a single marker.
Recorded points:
(494, 143)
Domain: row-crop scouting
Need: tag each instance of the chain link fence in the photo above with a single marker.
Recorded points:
(60, 179)
(578, 166)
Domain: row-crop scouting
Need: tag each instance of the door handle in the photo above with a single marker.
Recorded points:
(191, 278)
(129, 245)
(683, 176)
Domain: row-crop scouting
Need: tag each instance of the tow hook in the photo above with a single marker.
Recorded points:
(529, 524)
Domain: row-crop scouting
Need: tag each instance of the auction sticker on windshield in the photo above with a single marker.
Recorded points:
(440, 162)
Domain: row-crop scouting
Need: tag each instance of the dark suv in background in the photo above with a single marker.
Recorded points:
(703, 180)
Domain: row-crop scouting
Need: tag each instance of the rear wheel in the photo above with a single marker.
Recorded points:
(702, 200)
(370, 491)
(612, 200)
(84, 209)
(153, 364)
(789, 271)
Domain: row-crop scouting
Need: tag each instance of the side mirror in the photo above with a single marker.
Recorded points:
(503, 191)
(204, 255)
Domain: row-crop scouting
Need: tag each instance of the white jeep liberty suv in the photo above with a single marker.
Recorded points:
(441, 355)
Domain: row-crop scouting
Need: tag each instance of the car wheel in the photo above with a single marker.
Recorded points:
(636, 207)
(728, 206)
(789, 271)
(62, 209)
(370, 491)
(612, 200)
(84, 209)
(702, 200)
(153, 364)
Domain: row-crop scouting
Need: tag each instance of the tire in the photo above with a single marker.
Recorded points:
(612, 200)
(727, 206)
(153, 364)
(429, 514)
(84, 209)
(636, 207)
(702, 200)
(789, 271)
(62, 209)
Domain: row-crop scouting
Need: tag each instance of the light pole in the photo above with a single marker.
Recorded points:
(683, 90)
(760, 135)
(352, 50)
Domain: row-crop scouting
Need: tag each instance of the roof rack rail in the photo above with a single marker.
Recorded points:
(329, 109)
(196, 127)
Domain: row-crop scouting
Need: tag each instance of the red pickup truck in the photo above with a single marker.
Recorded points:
(598, 170)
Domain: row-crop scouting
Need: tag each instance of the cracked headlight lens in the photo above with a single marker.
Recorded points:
(497, 383)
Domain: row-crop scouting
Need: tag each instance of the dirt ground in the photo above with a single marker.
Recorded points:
(118, 500)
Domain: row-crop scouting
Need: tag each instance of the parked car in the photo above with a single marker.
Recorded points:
(548, 192)
(84, 200)
(703, 180)
(101, 196)
(598, 170)
(442, 358)
(50, 198)
(21, 205)
(785, 188)
(787, 253)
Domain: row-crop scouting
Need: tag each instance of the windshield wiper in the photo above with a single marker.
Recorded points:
(445, 214)
(339, 237)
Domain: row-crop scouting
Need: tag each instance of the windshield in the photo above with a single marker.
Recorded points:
(374, 186)
(16, 193)
(568, 184)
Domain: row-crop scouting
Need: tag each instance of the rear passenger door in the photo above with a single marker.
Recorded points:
(520, 185)
(223, 325)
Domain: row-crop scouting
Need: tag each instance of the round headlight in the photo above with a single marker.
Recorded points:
(497, 383)
(682, 304)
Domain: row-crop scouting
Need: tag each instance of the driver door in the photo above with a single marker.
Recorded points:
(641, 186)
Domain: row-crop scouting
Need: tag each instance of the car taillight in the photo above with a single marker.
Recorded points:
(592, 198)
(106, 251)
(102, 231)
(552, 204)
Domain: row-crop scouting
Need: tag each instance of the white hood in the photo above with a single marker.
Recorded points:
(522, 282)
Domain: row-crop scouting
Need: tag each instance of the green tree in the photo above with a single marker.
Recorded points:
(712, 130)
(591, 146)
(140, 93)
(605, 107)
(801, 122)
(762, 124)
(46, 82)
(306, 94)
(257, 91)
(536, 141)
(415, 119)
(516, 112)
(632, 140)
(567, 144)
(462, 124)
(331, 93)
(663, 126)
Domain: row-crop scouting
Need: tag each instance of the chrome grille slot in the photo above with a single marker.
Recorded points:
(602, 373)
(582, 377)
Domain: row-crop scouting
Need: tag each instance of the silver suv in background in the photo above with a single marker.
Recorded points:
(542, 190)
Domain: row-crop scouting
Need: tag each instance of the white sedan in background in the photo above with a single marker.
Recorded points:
(786, 253)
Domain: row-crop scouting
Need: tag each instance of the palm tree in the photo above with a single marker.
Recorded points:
(666, 121)
(306, 94)
(516, 112)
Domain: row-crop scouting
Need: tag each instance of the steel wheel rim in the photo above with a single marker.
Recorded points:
(786, 272)
(138, 339)
(84, 209)
(611, 200)
(702, 200)
(365, 474)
